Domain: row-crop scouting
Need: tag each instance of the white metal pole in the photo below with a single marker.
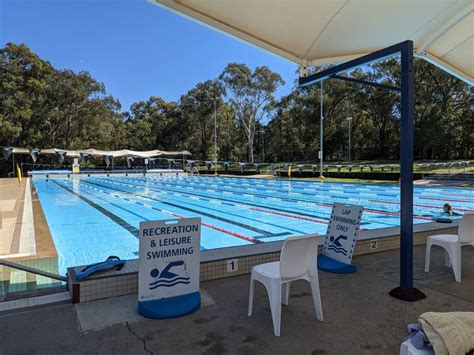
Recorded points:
(321, 133)
(350, 145)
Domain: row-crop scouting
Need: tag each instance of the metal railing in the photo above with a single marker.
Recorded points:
(32, 270)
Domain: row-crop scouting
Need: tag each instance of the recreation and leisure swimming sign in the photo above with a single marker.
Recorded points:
(341, 238)
(169, 262)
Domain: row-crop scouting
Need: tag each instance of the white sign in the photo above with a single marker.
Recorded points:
(169, 258)
(232, 265)
(373, 244)
(342, 232)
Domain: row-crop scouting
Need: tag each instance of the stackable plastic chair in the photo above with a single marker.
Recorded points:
(452, 244)
(298, 261)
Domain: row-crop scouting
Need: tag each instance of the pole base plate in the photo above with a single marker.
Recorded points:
(407, 294)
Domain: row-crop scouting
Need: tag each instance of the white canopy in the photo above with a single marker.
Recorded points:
(315, 32)
(101, 153)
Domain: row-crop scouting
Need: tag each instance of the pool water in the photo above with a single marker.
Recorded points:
(91, 218)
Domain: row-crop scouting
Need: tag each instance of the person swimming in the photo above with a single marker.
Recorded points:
(448, 209)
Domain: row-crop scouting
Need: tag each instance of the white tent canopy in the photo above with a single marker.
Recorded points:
(101, 153)
(315, 32)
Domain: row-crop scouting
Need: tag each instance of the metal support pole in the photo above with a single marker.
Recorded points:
(321, 132)
(350, 120)
(406, 162)
(406, 291)
(215, 138)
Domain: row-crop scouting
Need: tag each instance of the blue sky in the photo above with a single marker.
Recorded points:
(135, 48)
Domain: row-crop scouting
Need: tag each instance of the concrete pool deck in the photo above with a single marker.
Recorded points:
(23, 230)
(359, 316)
(12, 196)
(24, 237)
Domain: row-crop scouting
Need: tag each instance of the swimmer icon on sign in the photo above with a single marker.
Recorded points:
(336, 245)
(167, 278)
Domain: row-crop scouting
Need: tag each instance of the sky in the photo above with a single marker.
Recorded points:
(137, 49)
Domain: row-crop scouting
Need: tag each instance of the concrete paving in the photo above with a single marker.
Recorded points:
(110, 311)
(359, 317)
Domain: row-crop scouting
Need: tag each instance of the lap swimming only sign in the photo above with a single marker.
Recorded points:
(342, 232)
(169, 263)
(340, 239)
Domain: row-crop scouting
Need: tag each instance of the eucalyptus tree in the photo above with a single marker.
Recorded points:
(250, 94)
(152, 124)
(198, 107)
(41, 106)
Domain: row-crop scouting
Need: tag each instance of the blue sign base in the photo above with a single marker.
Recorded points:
(170, 307)
(331, 265)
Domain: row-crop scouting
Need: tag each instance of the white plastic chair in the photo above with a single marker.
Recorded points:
(452, 244)
(298, 260)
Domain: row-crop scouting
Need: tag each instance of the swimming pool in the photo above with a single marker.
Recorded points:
(93, 217)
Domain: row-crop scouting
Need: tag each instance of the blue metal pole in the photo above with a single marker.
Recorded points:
(406, 162)
(407, 90)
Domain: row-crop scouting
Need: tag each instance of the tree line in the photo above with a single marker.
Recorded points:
(41, 106)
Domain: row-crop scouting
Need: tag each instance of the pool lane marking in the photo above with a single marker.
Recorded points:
(222, 219)
(236, 204)
(316, 189)
(242, 225)
(121, 222)
(419, 205)
(290, 216)
(267, 211)
(235, 234)
(178, 194)
(127, 210)
(442, 199)
(460, 195)
(225, 199)
(232, 193)
(160, 184)
(183, 195)
(388, 213)
(334, 194)
(337, 186)
(281, 198)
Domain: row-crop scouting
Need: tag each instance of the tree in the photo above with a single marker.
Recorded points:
(41, 106)
(198, 107)
(152, 124)
(250, 96)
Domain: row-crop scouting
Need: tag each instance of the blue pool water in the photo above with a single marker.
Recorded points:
(93, 217)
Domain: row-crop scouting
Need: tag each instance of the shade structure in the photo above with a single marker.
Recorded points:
(102, 153)
(316, 32)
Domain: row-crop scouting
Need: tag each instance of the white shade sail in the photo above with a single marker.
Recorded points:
(315, 32)
(101, 153)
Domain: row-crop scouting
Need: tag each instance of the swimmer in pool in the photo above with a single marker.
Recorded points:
(448, 209)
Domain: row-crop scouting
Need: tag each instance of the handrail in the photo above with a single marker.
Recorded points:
(33, 271)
